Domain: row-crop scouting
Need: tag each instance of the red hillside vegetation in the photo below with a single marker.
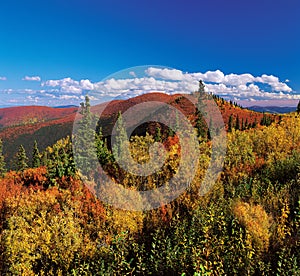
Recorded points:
(23, 125)
(24, 115)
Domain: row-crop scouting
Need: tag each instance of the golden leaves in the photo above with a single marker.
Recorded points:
(256, 221)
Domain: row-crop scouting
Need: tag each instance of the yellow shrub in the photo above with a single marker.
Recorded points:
(256, 221)
(42, 237)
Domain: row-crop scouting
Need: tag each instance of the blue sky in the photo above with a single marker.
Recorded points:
(53, 52)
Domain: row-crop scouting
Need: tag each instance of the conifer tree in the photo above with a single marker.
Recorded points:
(254, 124)
(200, 113)
(230, 123)
(237, 123)
(201, 89)
(103, 153)
(158, 134)
(211, 130)
(36, 159)
(21, 159)
(246, 124)
(2, 162)
(298, 107)
(120, 146)
(84, 140)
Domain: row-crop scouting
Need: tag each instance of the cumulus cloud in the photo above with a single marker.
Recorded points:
(32, 99)
(33, 78)
(238, 85)
(274, 83)
(171, 81)
(69, 85)
(132, 73)
(3, 78)
(86, 85)
(69, 97)
(168, 74)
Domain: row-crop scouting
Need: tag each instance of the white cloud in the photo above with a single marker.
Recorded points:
(32, 99)
(69, 85)
(274, 83)
(171, 81)
(234, 79)
(62, 83)
(228, 84)
(213, 76)
(33, 78)
(68, 97)
(86, 85)
(267, 79)
(132, 73)
(3, 78)
(168, 74)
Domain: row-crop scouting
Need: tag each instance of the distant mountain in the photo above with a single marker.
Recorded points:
(273, 109)
(66, 106)
(24, 124)
(30, 115)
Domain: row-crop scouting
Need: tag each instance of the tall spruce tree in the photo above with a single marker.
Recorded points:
(2, 161)
(200, 113)
(103, 154)
(84, 140)
(243, 124)
(230, 123)
(22, 159)
(36, 159)
(237, 123)
(120, 148)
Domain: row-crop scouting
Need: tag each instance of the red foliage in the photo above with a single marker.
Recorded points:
(23, 115)
(172, 141)
(90, 206)
(32, 177)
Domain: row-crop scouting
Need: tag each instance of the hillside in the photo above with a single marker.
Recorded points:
(29, 115)
(23, 125)
(245, 222)
(227, 109)
(273, 109)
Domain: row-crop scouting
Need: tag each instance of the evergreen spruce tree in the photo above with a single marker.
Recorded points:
(230, 123)
(84, 140)
(243, 124)
(200, 113)
(158, 134)
(44, 159)
(36, 159)
(2, 162)
(21, 159)
(263, 120)
(298, 107)
(246, 124)
(254, 124)
(120, 147)
(237, 123)
(103, 154)
(201, 89)
(211, 130)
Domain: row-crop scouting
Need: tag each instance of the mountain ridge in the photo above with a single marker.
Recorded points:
(46, 125)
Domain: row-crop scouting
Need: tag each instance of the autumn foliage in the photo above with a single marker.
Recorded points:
(248, 223)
